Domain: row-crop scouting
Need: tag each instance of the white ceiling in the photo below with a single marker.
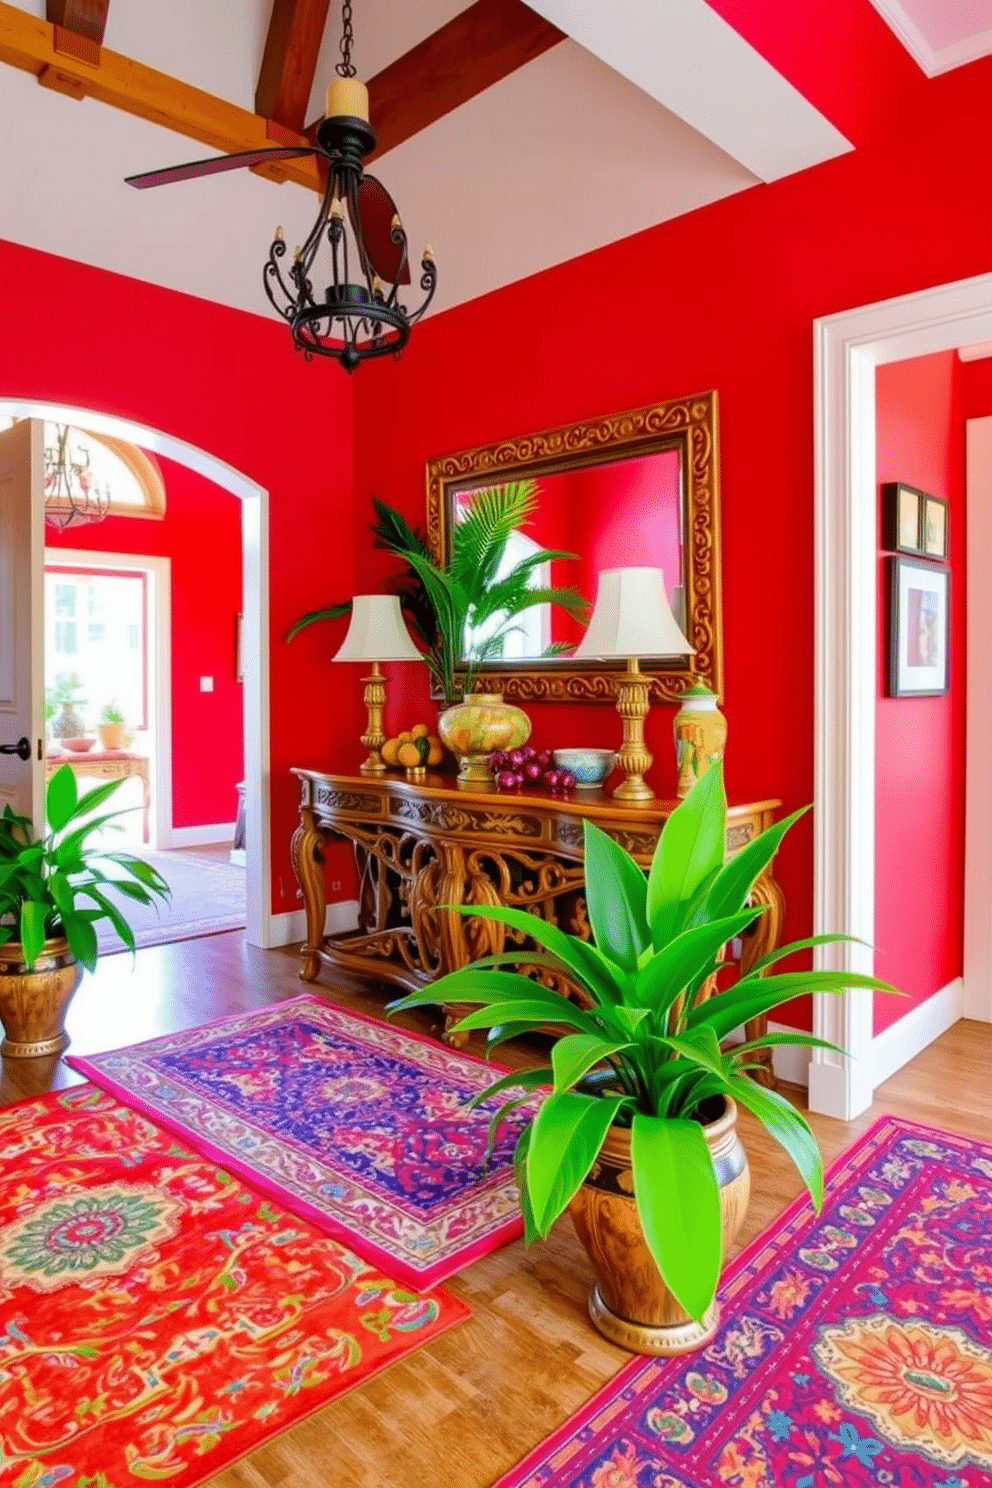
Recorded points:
(630, 123)
(940, 34)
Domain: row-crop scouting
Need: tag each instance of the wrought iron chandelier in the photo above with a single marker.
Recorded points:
(72, 495)
(340, 295)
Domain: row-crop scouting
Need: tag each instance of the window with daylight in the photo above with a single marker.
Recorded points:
(529, 633)
(98, 630)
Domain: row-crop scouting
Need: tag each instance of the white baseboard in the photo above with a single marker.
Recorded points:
(291, 927)
(891, 1049)
(196, 836)
(901, 1042)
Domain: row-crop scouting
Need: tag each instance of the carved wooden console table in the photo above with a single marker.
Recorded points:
(422, 845)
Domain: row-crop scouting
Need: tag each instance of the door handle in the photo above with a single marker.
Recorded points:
(22, 748)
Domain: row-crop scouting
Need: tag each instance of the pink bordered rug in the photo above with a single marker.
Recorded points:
(354, 1124)
(855, 1349)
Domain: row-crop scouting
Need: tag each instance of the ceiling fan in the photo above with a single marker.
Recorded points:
(357, 317)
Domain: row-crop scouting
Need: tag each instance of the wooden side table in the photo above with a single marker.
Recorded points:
(107, 764)
(421, 845)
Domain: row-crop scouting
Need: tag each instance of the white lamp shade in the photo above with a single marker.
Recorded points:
(377, 631)
(632, 618)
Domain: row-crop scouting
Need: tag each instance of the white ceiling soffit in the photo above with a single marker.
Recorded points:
(977, 352)
(506, 185)
(940, 34)
(681, 53)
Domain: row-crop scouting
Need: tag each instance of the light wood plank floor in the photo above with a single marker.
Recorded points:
(466, 1408)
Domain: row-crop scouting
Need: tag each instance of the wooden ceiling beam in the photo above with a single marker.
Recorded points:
(285, 80)
(30, 44)
(84, 17)
(476, 49)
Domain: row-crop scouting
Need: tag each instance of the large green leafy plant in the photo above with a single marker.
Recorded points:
(646, 1052)
(464, 610)
(58, 885)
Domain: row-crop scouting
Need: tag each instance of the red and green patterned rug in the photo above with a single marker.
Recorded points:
(359, 1125)
(158, 1319)
(855, 1349)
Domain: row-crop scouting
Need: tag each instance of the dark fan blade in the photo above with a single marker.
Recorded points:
(216, 163)
(377, 209)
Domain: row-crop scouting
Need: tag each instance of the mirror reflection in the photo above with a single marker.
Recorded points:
(607, 515)
(632, 489)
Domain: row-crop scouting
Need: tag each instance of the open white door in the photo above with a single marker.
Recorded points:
(22, 619)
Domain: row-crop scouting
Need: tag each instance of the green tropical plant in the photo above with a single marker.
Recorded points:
(57, 885)
(67, 688)
(645, 1052)
(111, 713)
(447, 603)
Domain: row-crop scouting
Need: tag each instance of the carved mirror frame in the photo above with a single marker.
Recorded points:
(686, 424)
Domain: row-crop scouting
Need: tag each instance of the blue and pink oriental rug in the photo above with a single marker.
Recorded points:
(356, 1125)
(855, 1349)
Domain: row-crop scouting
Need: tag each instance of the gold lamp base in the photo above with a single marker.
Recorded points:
(633, 703)
(374, 737)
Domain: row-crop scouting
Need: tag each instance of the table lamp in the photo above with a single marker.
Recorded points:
(632, 619)
(376, 633)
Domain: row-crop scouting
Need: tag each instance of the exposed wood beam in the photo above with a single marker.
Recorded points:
(85, 17)
(292, 45)
(473, 51)
(29, 43)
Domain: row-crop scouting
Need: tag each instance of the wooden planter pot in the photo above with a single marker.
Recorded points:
(630, 1303)
(33, 1004)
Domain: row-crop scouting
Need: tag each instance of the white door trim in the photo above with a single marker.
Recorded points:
(255, 626)
(160, 610)
(978, 780)
(846, 350)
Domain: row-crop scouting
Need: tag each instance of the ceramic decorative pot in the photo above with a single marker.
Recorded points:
(33, 1004)
(700, 736)
(68, 723)
(475, 727)
(630, 1303)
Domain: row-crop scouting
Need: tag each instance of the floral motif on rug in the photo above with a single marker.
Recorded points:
(854, 1351)
(158, 1319)
(359, 1125)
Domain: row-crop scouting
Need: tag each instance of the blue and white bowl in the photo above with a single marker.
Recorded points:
(589, 766)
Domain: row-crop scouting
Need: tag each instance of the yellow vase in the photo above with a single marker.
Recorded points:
(700, 736)
(475, 727)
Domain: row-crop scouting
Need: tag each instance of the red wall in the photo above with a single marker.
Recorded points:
(750, 274)
(201, 535)
(231, 384)
(920, 742)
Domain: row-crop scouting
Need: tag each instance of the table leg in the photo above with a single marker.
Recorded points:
(308, 864)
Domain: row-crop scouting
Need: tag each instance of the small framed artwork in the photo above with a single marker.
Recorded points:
(919, 628)
(902, 517)
(934, 527)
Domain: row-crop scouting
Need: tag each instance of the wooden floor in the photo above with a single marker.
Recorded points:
(461, 1411)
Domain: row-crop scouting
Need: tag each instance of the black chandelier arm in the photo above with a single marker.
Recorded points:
(272, 274)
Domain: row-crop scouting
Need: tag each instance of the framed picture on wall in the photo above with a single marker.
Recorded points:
(902, 517)
(919, 628)
(935, 527)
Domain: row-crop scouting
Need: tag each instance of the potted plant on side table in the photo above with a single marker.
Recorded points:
(53, 890)
(637, 1136)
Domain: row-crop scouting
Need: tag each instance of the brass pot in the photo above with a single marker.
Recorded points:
(33, 1004)
(630, 1304)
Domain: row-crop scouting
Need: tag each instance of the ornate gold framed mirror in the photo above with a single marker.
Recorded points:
(635, 488)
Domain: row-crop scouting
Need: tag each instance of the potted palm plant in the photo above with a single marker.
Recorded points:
(463, 611)
(637, 1135)
(53, 891)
